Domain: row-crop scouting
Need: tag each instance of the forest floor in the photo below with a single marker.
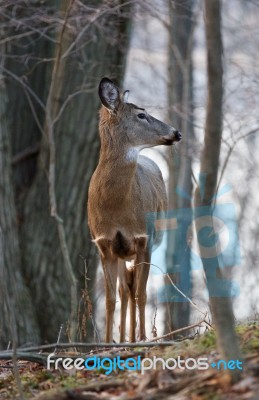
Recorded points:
(38, 382)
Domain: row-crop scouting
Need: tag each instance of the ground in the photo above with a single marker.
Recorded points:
(182, 384)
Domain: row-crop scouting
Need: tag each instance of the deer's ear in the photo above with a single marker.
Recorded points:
(109, 94)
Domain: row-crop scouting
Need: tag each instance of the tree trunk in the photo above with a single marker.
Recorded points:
(221, 307)
(17, 316)
(180, 98)
(77, 152)
(100, 51)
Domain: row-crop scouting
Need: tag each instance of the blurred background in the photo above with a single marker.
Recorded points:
(53, 55)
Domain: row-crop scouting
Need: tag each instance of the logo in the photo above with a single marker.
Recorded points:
(206, 237)
(108, 365)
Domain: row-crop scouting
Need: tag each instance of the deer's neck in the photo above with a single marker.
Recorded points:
(115, 152)
(115, 164)
(116, 170)
(123, 157)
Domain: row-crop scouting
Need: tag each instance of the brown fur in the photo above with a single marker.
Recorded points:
(124, 187)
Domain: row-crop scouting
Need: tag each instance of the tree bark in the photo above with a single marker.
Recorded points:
(221, 307)
(180, 98)
(100, 51)
(77, 152)
(17, 316)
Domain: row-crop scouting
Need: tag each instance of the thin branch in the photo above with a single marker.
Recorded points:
(25, 86)
(179, 291)
(26, 153)
(59, 335)
(32, 28)
(15, 37)
(99, 13)
(34, 113)
(65, 103)
(230, 151)
(179, 330)
(27, 89)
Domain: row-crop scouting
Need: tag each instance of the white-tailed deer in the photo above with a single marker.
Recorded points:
(124, 187)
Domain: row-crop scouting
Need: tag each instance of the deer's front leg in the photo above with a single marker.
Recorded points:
(141, 272)
(124, 296)
(132, 335)
(110, 268)
(132, 293)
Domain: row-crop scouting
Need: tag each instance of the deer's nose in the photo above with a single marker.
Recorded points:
(178, 135)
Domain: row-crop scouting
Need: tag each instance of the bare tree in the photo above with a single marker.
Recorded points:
(221, 307)
(180, 99)
(55, 56)
(16, 299)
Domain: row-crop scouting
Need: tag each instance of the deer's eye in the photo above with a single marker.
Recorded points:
(141, 116)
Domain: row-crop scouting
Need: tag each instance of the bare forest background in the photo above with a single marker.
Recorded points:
(194, 67)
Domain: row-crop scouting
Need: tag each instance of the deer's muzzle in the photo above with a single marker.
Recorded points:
(169, 139)
(178, 135)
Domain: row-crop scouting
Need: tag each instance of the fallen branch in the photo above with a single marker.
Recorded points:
(21, 355)
(42, 359)
(92, 346)
(179, 330)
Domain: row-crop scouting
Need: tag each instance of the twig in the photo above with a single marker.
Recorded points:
(178, 330)
(98, 14)
(88, 303)
(154, 330)
(26, 153)
(230, 151)
(15, 366)
(179, 291)
(25, 86)
(15, 37)
(34, 113)
(59, 336)
(30, 26)
(28, 90)
(68, 99)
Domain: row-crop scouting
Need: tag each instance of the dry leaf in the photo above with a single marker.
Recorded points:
(244, 385)
(164, 379)
(46, 385)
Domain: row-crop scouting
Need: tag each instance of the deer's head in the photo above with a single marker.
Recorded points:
(130, 124)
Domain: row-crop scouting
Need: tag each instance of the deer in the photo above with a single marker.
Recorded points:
(124, 187)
